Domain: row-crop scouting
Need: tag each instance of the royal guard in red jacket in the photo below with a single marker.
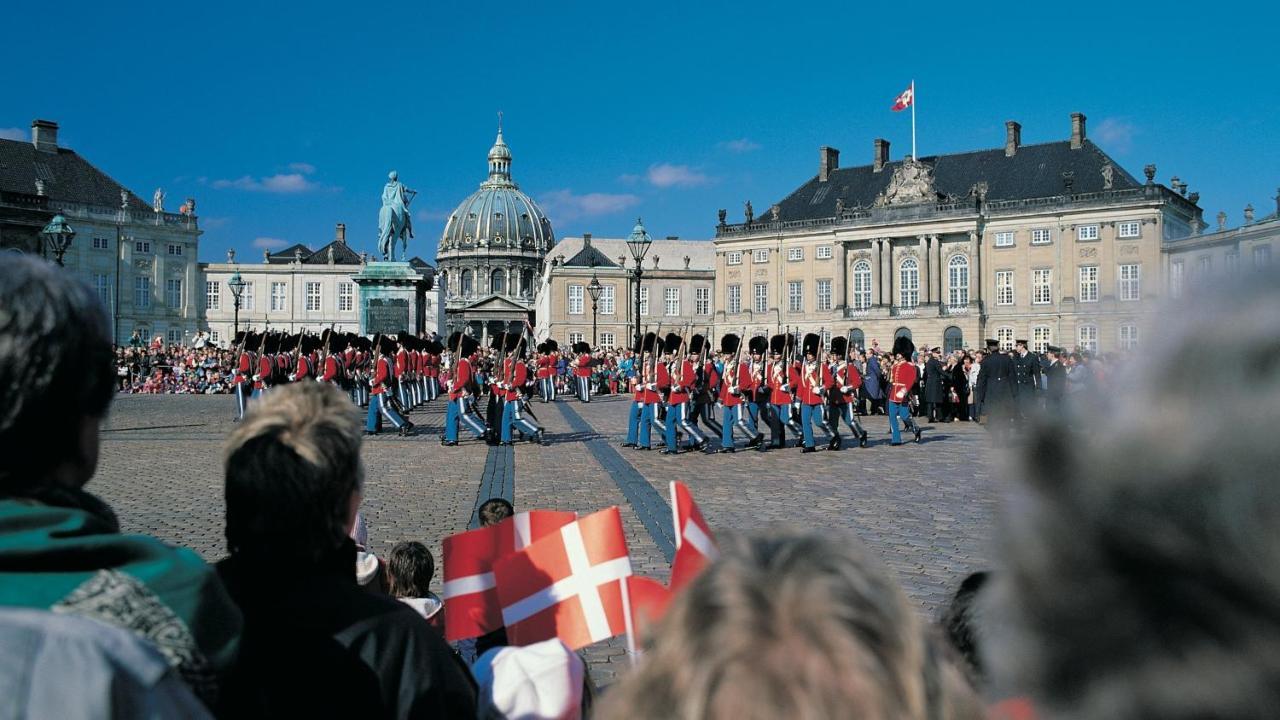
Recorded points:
(401, 372)
(546, 373)
(737, 387)
(459, 411)
(784, 378)
(815, 381)
(844, 393)
(242, 378)
(902, 377)
(582, 370)
(706, 385)
(680, 378)
(643, 410)
(383, 376)
(515, 375)
(266, 367)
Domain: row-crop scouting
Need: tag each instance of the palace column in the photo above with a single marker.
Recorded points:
(939, 290)
(975, 262)
(926, 270)
(843, 258)
(877, 282)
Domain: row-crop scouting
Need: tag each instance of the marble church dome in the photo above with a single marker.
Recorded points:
(498, 214)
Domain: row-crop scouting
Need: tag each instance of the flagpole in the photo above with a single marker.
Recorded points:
(913, 121)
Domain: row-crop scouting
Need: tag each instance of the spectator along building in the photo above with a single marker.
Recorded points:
(139, 258)
(1053, 242)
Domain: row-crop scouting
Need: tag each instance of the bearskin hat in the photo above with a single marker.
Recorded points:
(812, 341)
(903, 346)
(729, 343)
(839, 346)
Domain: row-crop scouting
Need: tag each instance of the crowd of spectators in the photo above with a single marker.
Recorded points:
(1133, 575)
(201, 368)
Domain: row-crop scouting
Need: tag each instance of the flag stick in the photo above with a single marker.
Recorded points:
(675, 514)
(913, 121)
(626, 619)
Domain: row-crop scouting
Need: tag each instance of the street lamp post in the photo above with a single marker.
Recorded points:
(638, 243)
(236, 283)
(59, 236)
(594, 289)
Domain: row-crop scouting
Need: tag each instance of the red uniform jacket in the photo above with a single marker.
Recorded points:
(745, 386)
(265, 368)
(583, 368)
(662, 378)
(846, 375)
(461, 378)
(711, 377)
(244, 368)
(304, 368)
(381, 376)
(331, 366)
(681, 381)
(778, 376)
(544, 367)
(402, 362)
(517, 377)
(904, 376)
(815, 378)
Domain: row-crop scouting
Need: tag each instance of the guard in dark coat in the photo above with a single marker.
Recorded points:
(1055, 379)
(935, 392)
(1026, 373)
(997, 390)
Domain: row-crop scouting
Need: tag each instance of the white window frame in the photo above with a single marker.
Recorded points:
(760, 255)
(215, 337)
(1042, 286)
(576, 302)
(795, 254)
(212, 295)
(862, 285)
(173, 295)
(824, 252)
(346, 296)
(760, 297)
(1129, 229)
(1004, 288)
(102, 286)
(1041, 236)
(1041, 338)
(795, 296)
(733, 298)
(142, 247)
(702, 301)
(909, 283)
(1004, 335)
(607, 304)
(824, 294)
(606, 339)
(1086, 233)
(733, 257)
(1176, 275)
(671, 301)
(1128, 336)
(575, 337)
(1004, 238)
(173, 336)
(101, 243)
(142, 292)
(1088, 283)
(314, 296)
(1087, 338)
(958, 281)
(644, 300)
(279, 300)
(1232, 264)
(1129, 278)
(248, 297)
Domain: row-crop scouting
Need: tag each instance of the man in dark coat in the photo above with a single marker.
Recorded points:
(1026, 373)
(935, 392)
(873, 385)
(996, 391)
(1055, 379)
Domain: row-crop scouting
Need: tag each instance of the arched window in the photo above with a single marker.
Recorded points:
(909, 283)
(497, 281)
(902, 332)
(466, 283)
(857, 339)
(958, 281)
(952, 339)
(443, 281)
(862, 285)
(526, 282)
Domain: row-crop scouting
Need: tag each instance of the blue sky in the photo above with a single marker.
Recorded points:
(284, 120)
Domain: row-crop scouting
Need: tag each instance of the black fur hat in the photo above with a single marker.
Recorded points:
(649, 343)
(812, 341)
(672, 343)
(758, 345)
(779, 343)
(729, 344)
(839, 346)
(697, 344)
(904, 347)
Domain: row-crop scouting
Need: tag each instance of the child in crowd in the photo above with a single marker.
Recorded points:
(410, 567)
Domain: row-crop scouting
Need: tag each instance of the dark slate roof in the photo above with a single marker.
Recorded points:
(1034, 171)
(286, 255)
(419, 263)
(342, 255)
(66, 175)
(590, 256)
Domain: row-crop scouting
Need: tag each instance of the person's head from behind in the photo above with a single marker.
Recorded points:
(410, 567)
(494, 511)
(1140, 574)
(792, 625)
(294, 476)
(56, 375)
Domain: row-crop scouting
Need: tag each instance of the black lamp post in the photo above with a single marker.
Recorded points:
(236, 283)
(594, 289)
(59, 236)
(638, 243)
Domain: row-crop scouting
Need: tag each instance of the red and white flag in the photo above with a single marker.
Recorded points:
(649, 600)
(695, 547)
(470, 601)
(904, 100)
(570, 584)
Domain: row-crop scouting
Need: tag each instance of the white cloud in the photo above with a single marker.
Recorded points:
(741, 145)
(666, 175)
(301, 167)
(1115, 134)
(567, 205)
(14, 134)
(431, 215)
(285, 183)
(269, 243)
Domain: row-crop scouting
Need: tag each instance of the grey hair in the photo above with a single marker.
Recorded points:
(1141, 561)
(55, 367)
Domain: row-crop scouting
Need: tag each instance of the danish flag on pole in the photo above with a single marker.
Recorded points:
(470, 601)
(694, 546)
(904, 100)
(570, 584)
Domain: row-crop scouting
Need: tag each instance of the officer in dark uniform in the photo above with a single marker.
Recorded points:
(997, 390)
(1026, 373)
(1055, 374)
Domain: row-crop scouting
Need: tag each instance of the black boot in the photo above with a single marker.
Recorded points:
(862, 441)
(756, 441)
(835, 444)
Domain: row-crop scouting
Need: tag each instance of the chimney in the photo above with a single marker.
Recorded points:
(1248, 213)
(340, 233)
(44, 135)
(586, 239)
(882, 155)
(830, 161)
(1012, 137)
(1077, 130)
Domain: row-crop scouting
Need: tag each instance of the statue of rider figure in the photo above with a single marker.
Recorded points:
(394, 221)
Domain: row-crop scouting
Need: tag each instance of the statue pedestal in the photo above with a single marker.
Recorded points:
(392, 298)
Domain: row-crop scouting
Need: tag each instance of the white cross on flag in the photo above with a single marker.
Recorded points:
(570, 584)
(904, 100)
(470, 601)
(694, 546)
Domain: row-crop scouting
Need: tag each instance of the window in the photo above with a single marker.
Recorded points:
(1261, 257)
(958, 281)
(823, 252)
(735, 298)
(142, 292)
(575, 299)
(794, 254)
(1087, 232)
(346, 296)
(214, 336)
(102, 286)
(175, 249)
(1128, 336)
(909, 283)
(795, 296)
(702, 301)
(313, 297)
(173, 293)
(1087, 338)
(467, 283)
(1175, 279)
(526, 282)
(952, 339)
(100, 243)
(575, 337)
(1004, 239)
(644, 300)
(142, 246)
(857, 338)
(1041, 286)
(606, 339)
(1005, 336)
(761, 295)
(1041, 236)
(1129, 229)
(174, 336)
(1004, 287)
(1041, 337)
(247, 301)
(760, 256)
(606, 300)
(1204, 268)
(862, 285)
(498, 281)
(671, 301)
(1089, 284)
(278, 294)
(212, 293)
(1131, 282)
(1232, 263)
(824, 295)
(733, 257)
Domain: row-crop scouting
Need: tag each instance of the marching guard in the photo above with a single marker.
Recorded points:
(581, 366)
(737, 391)
(903, 376)
(514, 379)
(847, 380)
(680, 378)
(460, 391)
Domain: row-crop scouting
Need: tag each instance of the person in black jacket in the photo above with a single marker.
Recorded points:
(935, 391)
(315, 643)
(1055, 379)
(997, 391)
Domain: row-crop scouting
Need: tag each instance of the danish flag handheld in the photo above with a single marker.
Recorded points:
(470, 601)
(570, 584)
(694, 546)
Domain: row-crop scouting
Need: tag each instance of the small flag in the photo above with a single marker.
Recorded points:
(694, 546)
(904, 100)
(649, 601)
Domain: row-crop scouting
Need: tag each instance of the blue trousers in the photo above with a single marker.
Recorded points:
(512, 418)
(850, 418)
(457, 413)
(899, 410)
(634, 417)
(584, 389)
(678, 419)
(242, 398)
(810, 414)
(376, 408)
(731, 416)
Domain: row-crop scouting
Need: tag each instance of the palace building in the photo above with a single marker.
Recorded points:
(1053, 242)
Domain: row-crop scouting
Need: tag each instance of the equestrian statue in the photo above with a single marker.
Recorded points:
(394, 222)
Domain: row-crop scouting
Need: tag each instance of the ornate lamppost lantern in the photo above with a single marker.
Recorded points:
(594, 289)
(236, 283)
(638, 243)
(58, 234)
